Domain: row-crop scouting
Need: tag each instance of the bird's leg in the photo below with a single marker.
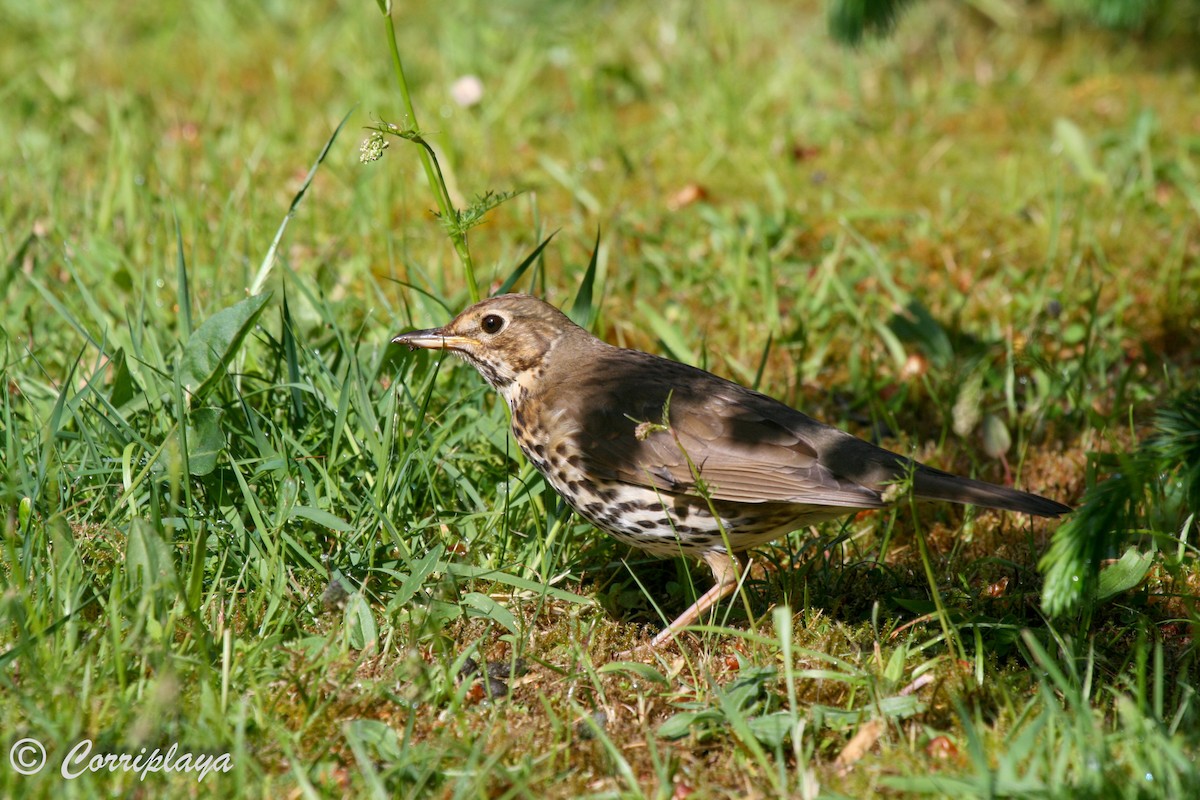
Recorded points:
(726, 571)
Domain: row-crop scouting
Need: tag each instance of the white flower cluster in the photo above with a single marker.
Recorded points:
(372, 148)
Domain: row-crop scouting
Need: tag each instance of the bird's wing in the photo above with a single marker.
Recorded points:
(728, 437)
(665, 425)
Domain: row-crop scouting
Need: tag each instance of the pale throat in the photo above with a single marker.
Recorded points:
(520, 386)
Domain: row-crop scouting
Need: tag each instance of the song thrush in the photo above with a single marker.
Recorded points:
(670, 458)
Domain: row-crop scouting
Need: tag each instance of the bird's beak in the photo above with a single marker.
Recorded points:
(434, 339)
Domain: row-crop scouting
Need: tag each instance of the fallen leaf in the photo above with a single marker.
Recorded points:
(692, 193)
(859, 744)
(998, 588)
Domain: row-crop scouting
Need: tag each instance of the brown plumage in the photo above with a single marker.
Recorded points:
(647, 449)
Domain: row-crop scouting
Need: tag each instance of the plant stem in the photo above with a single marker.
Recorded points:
(953, 641)
(432, 173)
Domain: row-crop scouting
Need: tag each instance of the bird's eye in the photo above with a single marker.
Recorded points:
(492, 323)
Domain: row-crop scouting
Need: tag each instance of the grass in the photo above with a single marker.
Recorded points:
(248, 525)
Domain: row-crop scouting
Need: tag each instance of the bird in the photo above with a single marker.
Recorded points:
(674, 460)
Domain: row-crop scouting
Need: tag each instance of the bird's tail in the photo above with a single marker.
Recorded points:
(933, 484)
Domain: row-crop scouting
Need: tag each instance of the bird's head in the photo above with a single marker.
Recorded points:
(508, 339)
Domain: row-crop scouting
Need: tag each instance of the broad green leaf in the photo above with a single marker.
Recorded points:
(214, 344)
(894, 670)
(681, 724)
(205, 440)
(773, 729)
(421, 571)
(360, 622)
(489, 608)
(149, 561)
(901, 706)
(1125, 574)
(24, 514)
(379, 736)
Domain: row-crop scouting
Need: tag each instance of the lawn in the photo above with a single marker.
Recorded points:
(239, 522)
